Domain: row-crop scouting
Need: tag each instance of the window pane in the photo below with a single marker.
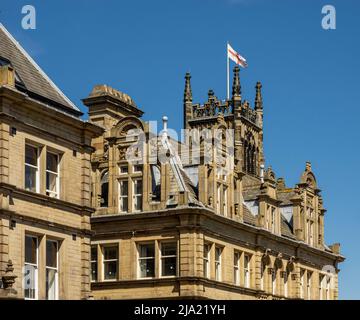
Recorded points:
(124, 206)
(31, 250)
(51, 162)
(51, 285)
(147, 268)
(124, 188)
(30, 282)
(51, 254)
(206, 250)
(110, 270)
(168, 249)
(124, 169)
(217, 254)
(138, 186)
(168, 267)
(93, 253)
(147, 250)
(110, 253)
(51, 179)
(236, 258)
(31, 155)
(30, 178)
(94, 271)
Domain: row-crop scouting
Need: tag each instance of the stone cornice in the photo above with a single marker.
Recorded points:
(42, 199)
(209, 214)
(20, 98)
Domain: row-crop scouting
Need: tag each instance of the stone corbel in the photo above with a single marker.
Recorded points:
(278, 263)
(266, 257)
(291, 264)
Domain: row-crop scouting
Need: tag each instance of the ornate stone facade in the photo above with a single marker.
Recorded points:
(179, 229)
(110, 209)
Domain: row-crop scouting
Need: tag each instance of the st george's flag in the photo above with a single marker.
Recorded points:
(236, 57)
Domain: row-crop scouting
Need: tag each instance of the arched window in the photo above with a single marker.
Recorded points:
(250, 155)
(104, 183)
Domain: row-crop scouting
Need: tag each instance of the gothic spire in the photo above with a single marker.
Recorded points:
(187, 91)
(258, 97)
(236, 89)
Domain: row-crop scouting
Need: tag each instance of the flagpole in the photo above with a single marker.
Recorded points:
(227, 71)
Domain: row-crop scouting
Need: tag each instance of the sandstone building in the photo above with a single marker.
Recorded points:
(172, 229)
(45, 183)
(113, 209)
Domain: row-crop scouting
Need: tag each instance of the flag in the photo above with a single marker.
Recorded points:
(236, 57)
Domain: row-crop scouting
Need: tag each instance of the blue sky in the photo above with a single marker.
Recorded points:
(310, 78)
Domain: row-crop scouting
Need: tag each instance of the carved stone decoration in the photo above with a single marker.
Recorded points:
(278, 263)
(210, 201)
(212, 107)
(106, 151)
(266, 257)
(237, 209)
(291, 264)
(122, 153)
(9, 277)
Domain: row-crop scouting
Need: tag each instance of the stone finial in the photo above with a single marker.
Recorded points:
(281, 183)
(270, 175)
(211, 94)
(105, 90)
(187, 91)
(9, 277)
(335, 248)
(258, 97)
(236, 89)
(308, 166)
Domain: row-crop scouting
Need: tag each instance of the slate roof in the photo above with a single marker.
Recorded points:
(35, 82)
(285, 196)
(248, 216)
(286, 229)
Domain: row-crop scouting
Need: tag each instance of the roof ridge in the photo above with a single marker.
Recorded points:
(37, 67)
